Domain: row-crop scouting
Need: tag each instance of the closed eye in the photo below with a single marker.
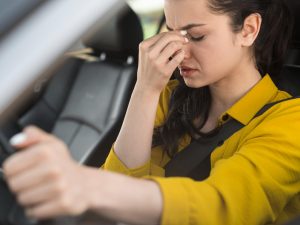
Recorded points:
(192, 38)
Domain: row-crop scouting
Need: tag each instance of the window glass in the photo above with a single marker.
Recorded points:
(150, 13)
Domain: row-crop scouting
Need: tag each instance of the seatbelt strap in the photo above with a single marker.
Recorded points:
(194, 160)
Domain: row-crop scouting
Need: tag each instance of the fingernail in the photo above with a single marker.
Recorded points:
(186, 39)
(183, 32)
(18, 139)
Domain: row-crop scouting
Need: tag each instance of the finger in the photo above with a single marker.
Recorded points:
(54, 208)
(45, 210)
(175, 61)
(33, 177)
(30, 135)
(160, 45)
(42, 193)
(22, 161)
(150, 41)
(170, 51)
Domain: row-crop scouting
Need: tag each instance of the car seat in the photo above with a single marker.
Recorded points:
(289, 79)
(85, 102)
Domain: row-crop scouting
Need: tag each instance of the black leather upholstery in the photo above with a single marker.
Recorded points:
(120, 35)
(289, 80)
(85, 102)
(295, 8)
(45, 112)
(95, 108)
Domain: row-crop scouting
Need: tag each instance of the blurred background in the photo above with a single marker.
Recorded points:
(150, 13)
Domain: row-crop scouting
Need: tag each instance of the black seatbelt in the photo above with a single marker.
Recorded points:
(194, 160)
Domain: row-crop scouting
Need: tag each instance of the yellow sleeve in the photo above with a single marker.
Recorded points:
(154, 166)
(251, 187)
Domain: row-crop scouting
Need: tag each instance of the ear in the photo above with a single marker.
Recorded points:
(250, 29)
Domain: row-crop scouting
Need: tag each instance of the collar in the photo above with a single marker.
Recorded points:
(246, 108)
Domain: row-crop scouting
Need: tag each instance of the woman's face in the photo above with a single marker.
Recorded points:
(213, 52)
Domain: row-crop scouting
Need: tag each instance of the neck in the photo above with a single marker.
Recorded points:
(230, 89)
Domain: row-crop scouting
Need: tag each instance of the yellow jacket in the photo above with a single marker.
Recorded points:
(255, 174)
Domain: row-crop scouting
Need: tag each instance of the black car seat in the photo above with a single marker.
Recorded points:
(85, 102)
(289, 79)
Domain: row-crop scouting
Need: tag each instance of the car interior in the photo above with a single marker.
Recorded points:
(13, 12)
(85, 101)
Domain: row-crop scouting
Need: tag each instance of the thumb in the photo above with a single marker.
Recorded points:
(29, 136)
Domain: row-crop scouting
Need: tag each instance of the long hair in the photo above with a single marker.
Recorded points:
(269, 49)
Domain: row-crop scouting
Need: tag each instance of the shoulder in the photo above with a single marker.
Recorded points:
(274, 135)
(287, 105)
(280, 122)
(280, 119)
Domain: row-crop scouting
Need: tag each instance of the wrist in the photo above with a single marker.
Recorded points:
(92, 188)
(99, 190)
(113, 198)
(146, 95)
(146, 89)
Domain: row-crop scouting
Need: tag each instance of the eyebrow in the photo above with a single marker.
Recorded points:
(189, 26)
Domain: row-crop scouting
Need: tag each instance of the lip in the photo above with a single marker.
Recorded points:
(186, 71)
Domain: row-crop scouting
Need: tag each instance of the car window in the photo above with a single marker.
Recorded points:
(13, 12)
(150, 14)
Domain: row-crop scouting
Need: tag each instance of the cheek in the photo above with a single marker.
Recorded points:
(215, 56)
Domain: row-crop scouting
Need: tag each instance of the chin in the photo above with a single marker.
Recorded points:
(194, 83)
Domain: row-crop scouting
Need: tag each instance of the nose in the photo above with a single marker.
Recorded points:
(187, 50)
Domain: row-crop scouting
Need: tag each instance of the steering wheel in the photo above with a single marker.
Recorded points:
(11, 213)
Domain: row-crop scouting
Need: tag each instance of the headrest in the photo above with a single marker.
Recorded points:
(295, 8)
(122, 34)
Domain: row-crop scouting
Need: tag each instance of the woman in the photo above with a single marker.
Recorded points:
(224, 51)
